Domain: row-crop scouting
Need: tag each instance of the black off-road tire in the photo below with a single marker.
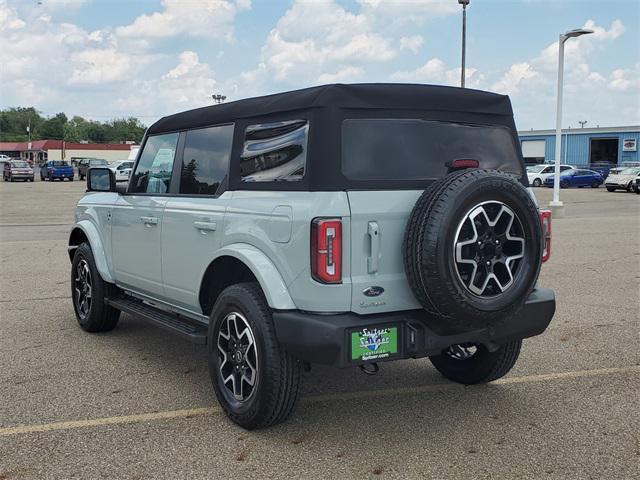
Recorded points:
(279, 374)
(428, 250)
(482, 367)
(100, 317)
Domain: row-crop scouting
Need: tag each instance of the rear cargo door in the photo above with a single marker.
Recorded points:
(378, 221)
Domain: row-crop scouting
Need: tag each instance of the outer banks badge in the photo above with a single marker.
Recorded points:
(374, 344)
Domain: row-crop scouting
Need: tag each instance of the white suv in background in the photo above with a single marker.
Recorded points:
(122, 169)
(538, 173)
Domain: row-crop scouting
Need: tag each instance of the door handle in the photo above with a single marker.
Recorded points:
(149, 221)
(374, 241)
(205, 226)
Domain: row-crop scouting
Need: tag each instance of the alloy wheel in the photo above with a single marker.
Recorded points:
(462, 351)
(83, 288)
(238, 356)
(489, 246)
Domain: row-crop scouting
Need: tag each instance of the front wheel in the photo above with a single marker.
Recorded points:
(537, 182)
(88, 292)
(564, 184)
(595, 185)
(470, 364)
(256, 381)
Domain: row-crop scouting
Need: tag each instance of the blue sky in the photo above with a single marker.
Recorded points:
(147, 58)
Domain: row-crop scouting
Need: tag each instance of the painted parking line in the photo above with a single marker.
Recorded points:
(192, 412)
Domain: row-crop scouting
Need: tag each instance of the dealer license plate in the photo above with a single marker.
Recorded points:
(374, 343)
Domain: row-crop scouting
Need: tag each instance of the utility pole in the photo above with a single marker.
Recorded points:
(464, 4)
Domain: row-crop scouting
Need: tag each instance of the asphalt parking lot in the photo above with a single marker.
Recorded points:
(137, 403)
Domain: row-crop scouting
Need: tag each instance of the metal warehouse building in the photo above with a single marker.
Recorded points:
(583, 146)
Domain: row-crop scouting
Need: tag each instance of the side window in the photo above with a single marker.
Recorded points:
(547, 170)
(274, 152)
(153, 173)
(564, 168)
(205, 162)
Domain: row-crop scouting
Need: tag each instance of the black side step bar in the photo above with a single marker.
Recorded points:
(178, 324)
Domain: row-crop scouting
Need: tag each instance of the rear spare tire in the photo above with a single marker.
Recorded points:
(472, 248)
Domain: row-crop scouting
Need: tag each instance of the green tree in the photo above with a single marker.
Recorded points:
(54, 127)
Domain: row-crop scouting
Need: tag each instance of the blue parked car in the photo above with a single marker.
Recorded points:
(577, 178)
(56, 169)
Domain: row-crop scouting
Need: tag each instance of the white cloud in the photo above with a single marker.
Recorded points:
(313, 39)
(204, 18)
(412, 43)
(403, 12)
(98, 66)
(347, 74)
(189, 84)
(436, 72)
(513, 77)
(625, 80)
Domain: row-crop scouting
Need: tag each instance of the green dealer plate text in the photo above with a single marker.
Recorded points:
(374, 343)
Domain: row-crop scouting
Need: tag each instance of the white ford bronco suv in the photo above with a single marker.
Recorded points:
(345, 225)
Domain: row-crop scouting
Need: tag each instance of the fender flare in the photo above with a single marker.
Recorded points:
(270, 280)
(92, 234)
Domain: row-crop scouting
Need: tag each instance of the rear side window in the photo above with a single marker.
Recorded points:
(205, 162)
(153, 173)
(275, 152)
(413, 149)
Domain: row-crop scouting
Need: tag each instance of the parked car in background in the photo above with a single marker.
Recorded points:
(56, 169)
(621, 180)
(86, 163)
(537, 174)
(17, 170)
(635, 186)
(577, 178)
(122, 169)
(616, 170)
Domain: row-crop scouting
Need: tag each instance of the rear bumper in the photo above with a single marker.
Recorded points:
(326, 339)
(61, 175)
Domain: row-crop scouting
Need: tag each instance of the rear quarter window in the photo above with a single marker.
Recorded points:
(414, 149)
(275, 152)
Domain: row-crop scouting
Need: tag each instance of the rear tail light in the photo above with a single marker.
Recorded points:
(326, 250)
(545, 221)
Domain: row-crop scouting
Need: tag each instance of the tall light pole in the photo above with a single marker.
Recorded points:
(464, 4)
(556, 205)
(582, 123)
(218, 98)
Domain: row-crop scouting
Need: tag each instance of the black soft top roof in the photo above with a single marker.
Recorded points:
(354, 96)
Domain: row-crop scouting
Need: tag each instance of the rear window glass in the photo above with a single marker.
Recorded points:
(274, 152)
(413, 149)
(59, 163)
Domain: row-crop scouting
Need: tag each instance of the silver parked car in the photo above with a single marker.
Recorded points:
(344, 225)
(622, 180)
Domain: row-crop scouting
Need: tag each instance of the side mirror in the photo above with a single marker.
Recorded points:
(101, 179)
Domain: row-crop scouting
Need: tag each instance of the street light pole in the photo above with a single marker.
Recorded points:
(556, 205)
(218, 98)
(464, 4)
